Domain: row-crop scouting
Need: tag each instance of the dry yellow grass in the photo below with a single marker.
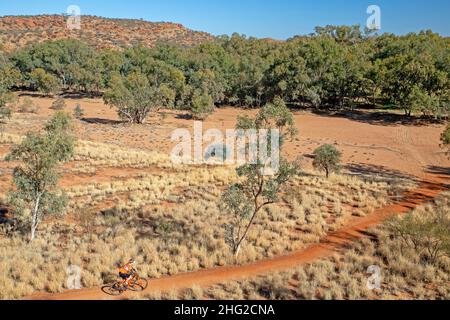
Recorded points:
(100, 154)
(9, 138)
(106, 155)
(167, 239)
(169, 220)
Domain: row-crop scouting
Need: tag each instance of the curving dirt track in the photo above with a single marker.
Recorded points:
(426, 191)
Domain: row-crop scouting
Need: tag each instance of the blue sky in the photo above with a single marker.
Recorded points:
(279, 19)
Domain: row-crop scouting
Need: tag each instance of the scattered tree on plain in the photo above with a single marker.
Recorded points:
(327, 158)
(35, 179)
(246, 199)
(8, 77)
(202, 106)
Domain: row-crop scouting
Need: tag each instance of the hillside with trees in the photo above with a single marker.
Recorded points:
(19, 31)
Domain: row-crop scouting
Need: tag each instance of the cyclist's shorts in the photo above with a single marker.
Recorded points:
(124, 275)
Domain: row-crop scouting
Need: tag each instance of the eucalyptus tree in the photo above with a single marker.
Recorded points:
(327, 158)
(135, 98)
(35, 178)
(244, 201)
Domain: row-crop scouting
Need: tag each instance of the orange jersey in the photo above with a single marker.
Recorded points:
(126, 269)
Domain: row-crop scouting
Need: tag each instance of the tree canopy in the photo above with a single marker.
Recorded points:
(8, 78)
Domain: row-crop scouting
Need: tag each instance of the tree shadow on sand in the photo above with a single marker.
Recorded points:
(444, 171)
(383, 173)
(101, 121)
(65, 95)
(184, 116)
(440, 172)
(379, 118)
(80, 95)
(4, 214)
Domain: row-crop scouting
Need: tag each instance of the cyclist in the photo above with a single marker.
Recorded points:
(126, 273)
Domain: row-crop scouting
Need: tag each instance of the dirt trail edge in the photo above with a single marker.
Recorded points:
(425, 192)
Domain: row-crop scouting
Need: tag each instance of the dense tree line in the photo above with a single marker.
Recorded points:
(8, 78)
(336, 67)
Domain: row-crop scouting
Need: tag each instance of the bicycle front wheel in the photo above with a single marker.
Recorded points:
(139, 285)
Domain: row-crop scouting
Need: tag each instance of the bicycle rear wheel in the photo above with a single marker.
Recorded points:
(113, 289)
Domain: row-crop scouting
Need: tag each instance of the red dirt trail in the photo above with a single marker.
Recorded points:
(331, 244)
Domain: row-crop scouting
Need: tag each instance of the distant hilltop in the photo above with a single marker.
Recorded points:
(19, 31)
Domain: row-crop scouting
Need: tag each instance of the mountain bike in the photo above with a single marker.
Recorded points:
(135, 284)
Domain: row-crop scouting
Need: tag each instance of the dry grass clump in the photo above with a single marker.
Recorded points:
(93, 154)
(31, 270)
(272, 287)
(149, 189)
(100, 154)
(27, 106)
(194, 293)
(171, 295)
(406, 273)
(319, 206)
(9, 138)
(153, 295)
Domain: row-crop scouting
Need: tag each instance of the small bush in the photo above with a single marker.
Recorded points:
(194, 293)
(427, 234)
(27, 106)
(58, 104)
(445, 137)
(5, 113)
(78, 112)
